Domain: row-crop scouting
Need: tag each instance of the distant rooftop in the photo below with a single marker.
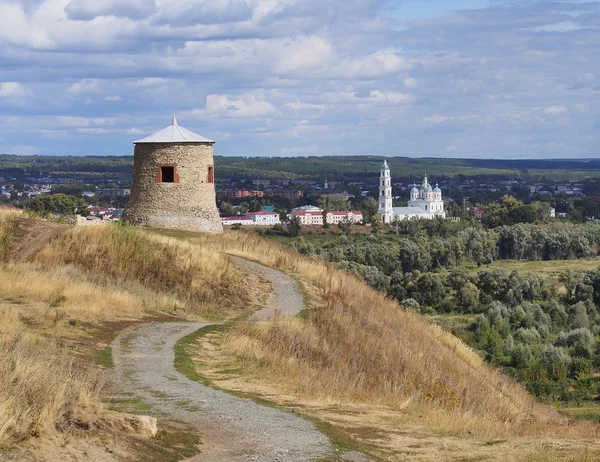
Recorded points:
(174, 134)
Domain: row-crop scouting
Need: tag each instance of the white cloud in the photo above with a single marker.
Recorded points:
(435, 119)
(449, 149)
(300, 106)
(287, 68)
(248, 105)
(438, 119)
(374, 97)
(304, 54)
(90, 9)
(555, 110)
(409, 82)
(15, 28)
(562, 26)
(14, 90)
(192, 12)
(376, 65)
(150, 82)
(84, 86)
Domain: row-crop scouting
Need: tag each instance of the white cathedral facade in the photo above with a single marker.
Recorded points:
(425, 202)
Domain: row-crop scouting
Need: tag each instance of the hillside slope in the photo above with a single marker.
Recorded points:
(360, 351)
(354, 354)
(62, 296)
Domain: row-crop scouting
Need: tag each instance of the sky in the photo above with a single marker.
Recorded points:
(440, 78)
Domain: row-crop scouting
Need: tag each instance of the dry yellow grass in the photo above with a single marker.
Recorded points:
(360, 347)
(41, 390)
(202, 280)
(6, 228)
(85, 276)
(66, 292)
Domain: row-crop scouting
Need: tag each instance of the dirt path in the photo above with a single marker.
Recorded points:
(232, 428)
(286, 298)
(30, 236)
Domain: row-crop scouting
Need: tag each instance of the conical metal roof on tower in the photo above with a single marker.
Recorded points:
(174, 134)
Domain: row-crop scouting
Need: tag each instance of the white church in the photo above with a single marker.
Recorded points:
(425, 202)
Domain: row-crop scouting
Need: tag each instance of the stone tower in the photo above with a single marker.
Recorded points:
(173, 182)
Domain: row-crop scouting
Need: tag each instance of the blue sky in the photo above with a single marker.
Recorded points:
(441, 78)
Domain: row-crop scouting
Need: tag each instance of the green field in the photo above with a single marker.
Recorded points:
(590, 412)
(553, 267)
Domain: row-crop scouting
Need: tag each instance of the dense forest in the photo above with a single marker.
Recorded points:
(336, 167)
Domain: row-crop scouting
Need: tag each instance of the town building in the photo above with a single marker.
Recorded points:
(238, 193)
(478, 212)
(262, 218)
(311, 215)
(110, 193)
(290, 194)
(425, 202)
(173, 182)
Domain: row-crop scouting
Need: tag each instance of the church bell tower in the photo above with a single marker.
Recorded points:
(385, 194)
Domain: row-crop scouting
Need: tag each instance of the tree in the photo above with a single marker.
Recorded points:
(333, 202)
(345, 225)
(71, 189)
(59, 204)
(369, 210)
(430, 289)
(554, 360)
(376, 224)
(226, 209)
(295, 227)
(325, 223)
(468, 296)
(244, 207)
(255, 206)
(570, 279)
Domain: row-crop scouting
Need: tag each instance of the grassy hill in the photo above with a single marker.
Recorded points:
(361, 363)
(353, 355)
(60, 308)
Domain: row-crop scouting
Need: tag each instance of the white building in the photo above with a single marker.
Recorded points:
(242, 220)
(253, 219)
(310, 215)
(264, 218)
(355, 216)
(307, 208)
(425, 202)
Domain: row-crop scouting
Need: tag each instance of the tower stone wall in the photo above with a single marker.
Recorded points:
(187, 203)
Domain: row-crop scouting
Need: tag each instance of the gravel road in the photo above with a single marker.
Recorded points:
(232, 428)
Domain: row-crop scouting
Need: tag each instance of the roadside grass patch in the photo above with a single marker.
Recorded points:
(173, 442)
(104, 358)
(184, 363)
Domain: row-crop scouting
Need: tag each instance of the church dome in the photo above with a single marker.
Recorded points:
(437, 189)
(385, 165)
(415, 189)
(428, 189)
